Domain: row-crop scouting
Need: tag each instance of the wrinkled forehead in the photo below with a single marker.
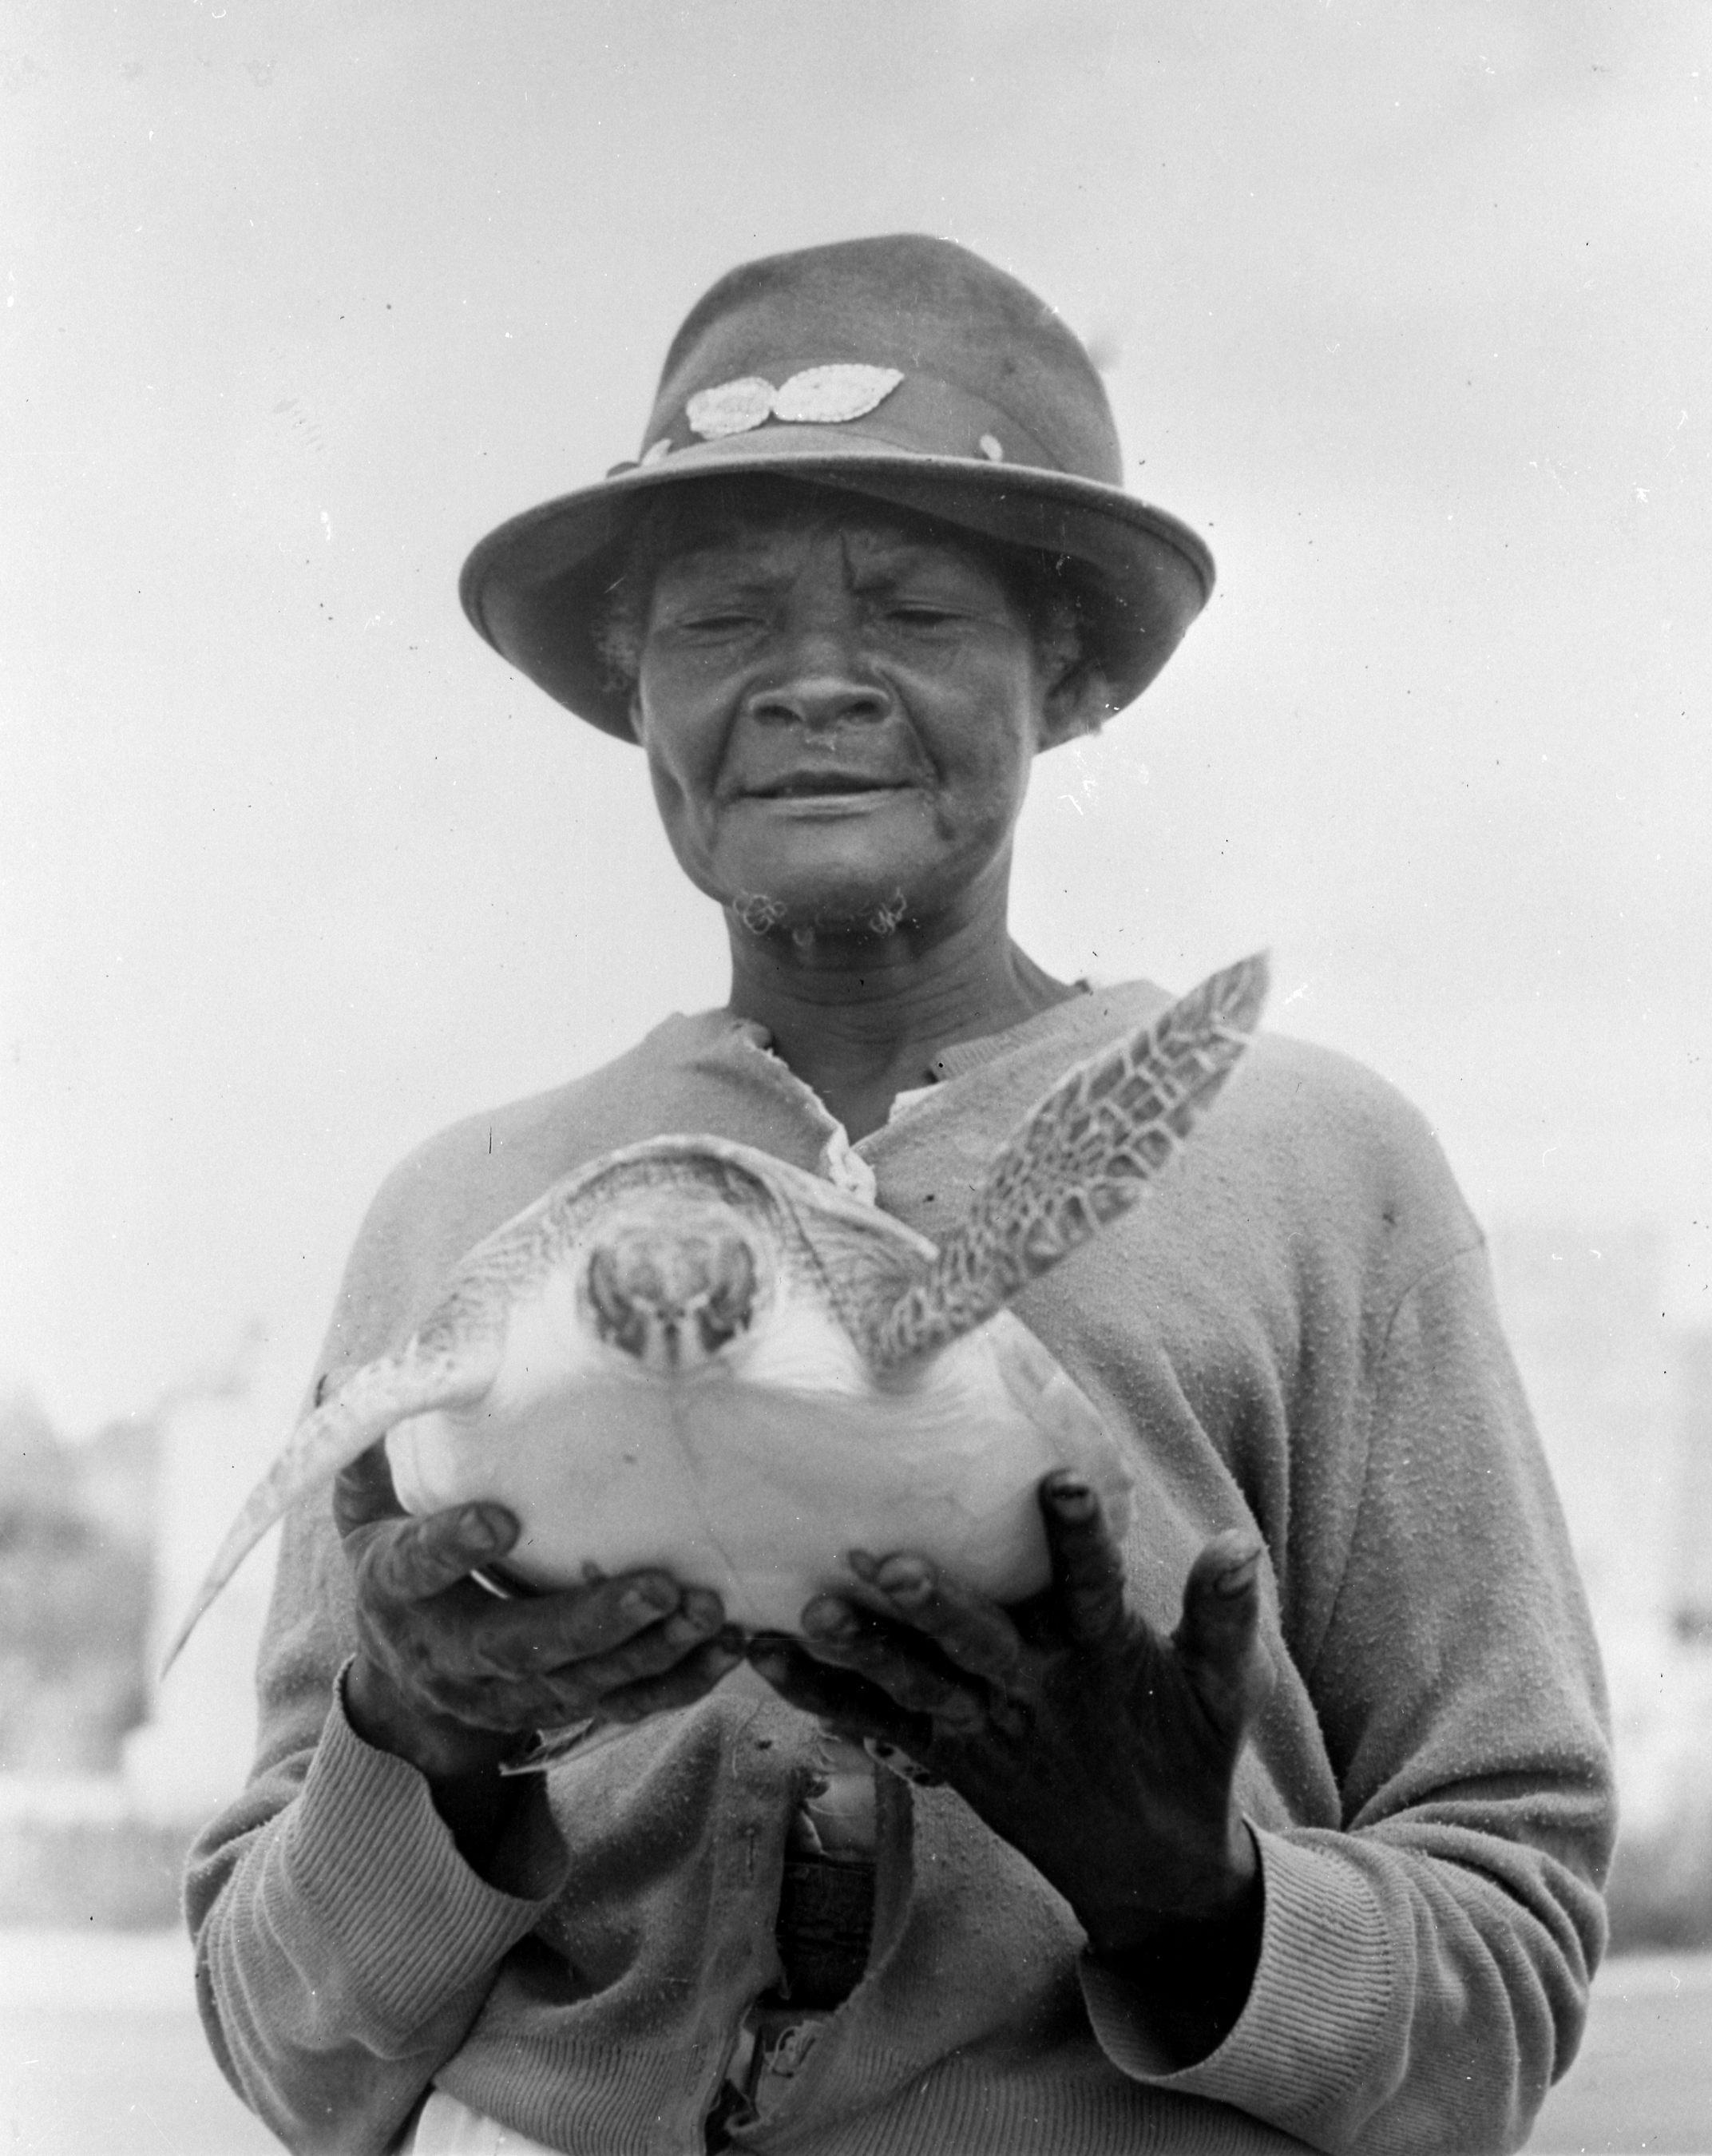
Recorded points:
(762, 528)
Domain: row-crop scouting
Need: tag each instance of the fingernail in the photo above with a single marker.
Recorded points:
(654, 1601)
(1237, 1578)
(1069, 1495)
(863, 1565)
(687, 1625)
(483, 1530)
(904, 1581)
(828, 1620)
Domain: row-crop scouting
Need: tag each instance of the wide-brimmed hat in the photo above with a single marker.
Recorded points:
(906, 370)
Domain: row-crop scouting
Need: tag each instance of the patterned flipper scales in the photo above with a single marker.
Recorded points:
(430, 1373)
(1084, 1156)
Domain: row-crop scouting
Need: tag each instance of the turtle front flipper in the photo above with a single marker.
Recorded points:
(365, 1407)
(1080, 1158)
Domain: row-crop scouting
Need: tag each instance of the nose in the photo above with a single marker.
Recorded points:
(821, 682)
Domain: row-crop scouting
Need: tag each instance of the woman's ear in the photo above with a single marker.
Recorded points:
(1079, 702)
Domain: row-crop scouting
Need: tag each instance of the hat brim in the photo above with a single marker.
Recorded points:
(534, 589)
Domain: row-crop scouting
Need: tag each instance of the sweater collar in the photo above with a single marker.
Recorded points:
(1095, 1013)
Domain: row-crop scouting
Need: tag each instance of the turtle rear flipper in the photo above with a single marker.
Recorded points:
(365, 1407)
(1080, 1158)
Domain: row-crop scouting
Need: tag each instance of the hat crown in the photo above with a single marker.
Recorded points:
(925, 307)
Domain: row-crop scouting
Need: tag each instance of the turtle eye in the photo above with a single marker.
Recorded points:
(729, 1304)
(617, 1318)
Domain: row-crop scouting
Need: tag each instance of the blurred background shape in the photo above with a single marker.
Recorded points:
(105, 1772)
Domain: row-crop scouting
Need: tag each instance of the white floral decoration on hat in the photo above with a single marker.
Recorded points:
(817, 396)
(823, 396)
(730, 408)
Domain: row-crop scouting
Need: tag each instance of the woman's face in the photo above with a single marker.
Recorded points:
(839, 718)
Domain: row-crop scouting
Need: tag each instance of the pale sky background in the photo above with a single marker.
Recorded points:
(1407, 308)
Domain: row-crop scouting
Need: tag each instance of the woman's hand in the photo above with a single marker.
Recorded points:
(456, 1680)
(1104, 1752)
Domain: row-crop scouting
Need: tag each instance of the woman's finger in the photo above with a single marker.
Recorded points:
(363, 1490)
(1218, 1639)
(413, 1560)
(839, 1696)
(524, 1686)
(690, 1678)
(837, 1633)
(1087, 1565)
(546, 1632)
(969, 1630)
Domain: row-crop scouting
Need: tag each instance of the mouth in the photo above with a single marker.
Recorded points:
(820, 786)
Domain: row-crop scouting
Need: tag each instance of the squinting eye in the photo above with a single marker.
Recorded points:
(922, 617)
(716, 624)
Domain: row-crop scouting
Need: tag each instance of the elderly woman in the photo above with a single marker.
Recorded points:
(1280, 1823)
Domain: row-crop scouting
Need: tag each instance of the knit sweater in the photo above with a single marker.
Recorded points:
(1294, 1331)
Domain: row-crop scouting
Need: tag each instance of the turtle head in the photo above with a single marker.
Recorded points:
(672, 1291)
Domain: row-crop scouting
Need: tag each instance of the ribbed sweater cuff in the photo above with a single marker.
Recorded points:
(398, 1912)
(1321, 1993)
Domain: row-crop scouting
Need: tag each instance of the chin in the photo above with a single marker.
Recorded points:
(871, 914)
(830, 887)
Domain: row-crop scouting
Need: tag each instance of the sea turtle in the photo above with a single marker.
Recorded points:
(691, 1354)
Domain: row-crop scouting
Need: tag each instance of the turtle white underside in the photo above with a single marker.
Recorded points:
(756, 1477)
(834, 1381)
